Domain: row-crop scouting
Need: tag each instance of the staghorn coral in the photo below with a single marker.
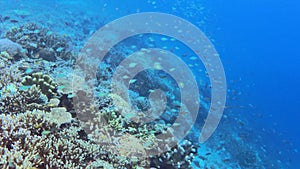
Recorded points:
(19, 133)
(21, 101)
(40, 42)
(5, 59)
(32, 140)
(43, 82)
(10, 75)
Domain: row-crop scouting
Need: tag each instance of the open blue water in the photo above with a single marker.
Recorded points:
(258, 45)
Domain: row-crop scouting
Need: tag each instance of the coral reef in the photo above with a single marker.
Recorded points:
(13, 49)
(59, 115)
(5, 59)
(180, 156)
(40, 42)
(31, 140)
(40, 110)
(138, 140)
(21, 101)
(43, 82)
(48, 121)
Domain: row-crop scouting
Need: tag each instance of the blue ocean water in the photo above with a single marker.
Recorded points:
(258, 46)
(261, 48)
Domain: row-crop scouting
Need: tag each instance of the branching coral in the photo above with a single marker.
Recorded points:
(5, 59)
(10, 75)
(19, 133)
(40, 42)
(43, 82)
(137, 141)
(35, 140)
(39, 116)
(21, 101)
(180, 156)
(32, 140)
